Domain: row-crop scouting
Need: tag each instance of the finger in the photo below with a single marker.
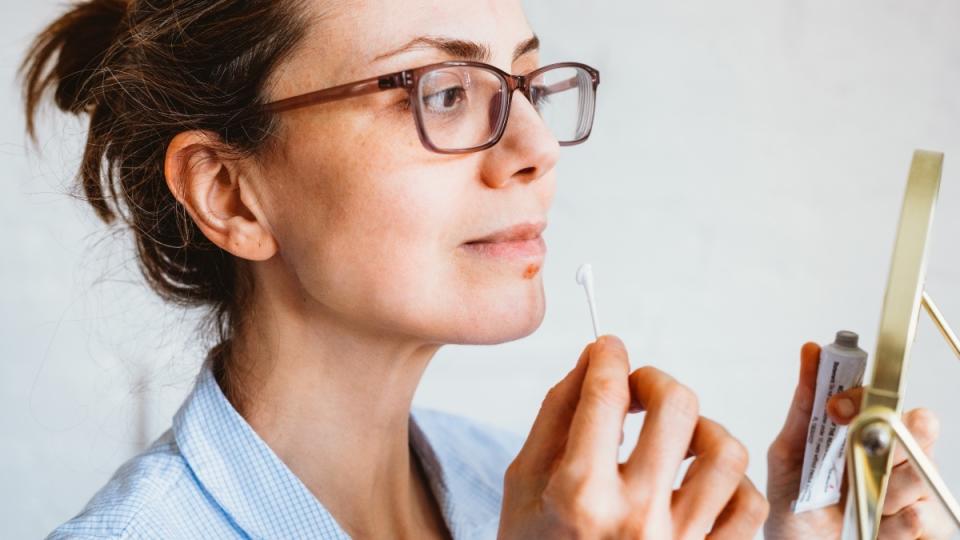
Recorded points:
(604, 398)
(743, 515)
(843, 406)
(713, 477)
(911, 522)
(925, 428)
(904, 476)
(672, 414)
(549, 432)
(789, 444)
(904, 488)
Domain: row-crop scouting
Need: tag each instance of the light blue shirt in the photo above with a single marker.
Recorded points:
(212, 476)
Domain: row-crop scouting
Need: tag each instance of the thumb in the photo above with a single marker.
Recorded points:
(790, 441)
(843, 406)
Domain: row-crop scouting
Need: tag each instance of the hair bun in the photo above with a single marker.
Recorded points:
(80, 39)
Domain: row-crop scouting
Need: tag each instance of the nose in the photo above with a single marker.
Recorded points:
(527, 150)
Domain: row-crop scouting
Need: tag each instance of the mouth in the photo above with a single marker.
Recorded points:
(520, 241)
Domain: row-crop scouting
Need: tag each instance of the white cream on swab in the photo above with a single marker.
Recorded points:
(585, 278)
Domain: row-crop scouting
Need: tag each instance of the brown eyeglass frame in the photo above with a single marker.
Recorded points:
(409, 79)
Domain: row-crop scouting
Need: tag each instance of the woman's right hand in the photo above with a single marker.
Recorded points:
(567, 481)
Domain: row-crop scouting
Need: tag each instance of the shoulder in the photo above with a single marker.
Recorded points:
(152, 495)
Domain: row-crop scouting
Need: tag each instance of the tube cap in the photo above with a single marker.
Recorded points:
(846, 338)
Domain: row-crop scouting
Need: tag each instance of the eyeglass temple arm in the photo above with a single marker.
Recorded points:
(344, 91)
(559, 86)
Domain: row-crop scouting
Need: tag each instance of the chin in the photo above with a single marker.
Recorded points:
(495, 324)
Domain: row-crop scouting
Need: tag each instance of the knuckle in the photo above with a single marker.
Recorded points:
(924, 424)
(779, 453)
(756, 507)
(587, 515)
(907, 476)
(607, 392)
(639, 528)
(679, 398)
(912, 521)
(731, 454)
(646, 372)
(555, 402)
(643, 377)
(513, 472)
(571, 499)
(552, 396)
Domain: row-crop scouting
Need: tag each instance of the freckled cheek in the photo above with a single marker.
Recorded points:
(397, 277)
(388, 241)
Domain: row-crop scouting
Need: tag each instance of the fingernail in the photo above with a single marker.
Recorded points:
(845, 407)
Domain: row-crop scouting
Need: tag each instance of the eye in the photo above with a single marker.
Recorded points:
(446, 100)
(446, 91)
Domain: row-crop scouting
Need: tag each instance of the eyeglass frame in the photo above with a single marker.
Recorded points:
(409, 79)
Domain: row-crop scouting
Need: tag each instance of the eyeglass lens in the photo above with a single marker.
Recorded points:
(463, 107)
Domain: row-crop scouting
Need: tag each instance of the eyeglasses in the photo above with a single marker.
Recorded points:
(461, 106)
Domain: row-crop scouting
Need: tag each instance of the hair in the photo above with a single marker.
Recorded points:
(144, 71)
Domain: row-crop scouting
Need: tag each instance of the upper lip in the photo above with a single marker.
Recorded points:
(521, 231)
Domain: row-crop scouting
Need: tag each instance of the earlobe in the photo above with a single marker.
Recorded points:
(209, 187)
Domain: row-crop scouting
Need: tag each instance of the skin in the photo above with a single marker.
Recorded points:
(353, 233)
(566, 481)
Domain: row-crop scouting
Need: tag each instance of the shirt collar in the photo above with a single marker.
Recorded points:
(241, 473)
(468, 493)
(265, 499)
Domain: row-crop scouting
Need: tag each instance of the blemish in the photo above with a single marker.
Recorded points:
(531, 271)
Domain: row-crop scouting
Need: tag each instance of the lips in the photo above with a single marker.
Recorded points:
(522, 240)
(520, 231)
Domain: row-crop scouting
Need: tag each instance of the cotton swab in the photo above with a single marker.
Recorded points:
(585, 278)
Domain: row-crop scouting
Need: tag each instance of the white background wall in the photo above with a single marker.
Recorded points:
(739, 197)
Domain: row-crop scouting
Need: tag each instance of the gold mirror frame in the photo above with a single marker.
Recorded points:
(872, 434)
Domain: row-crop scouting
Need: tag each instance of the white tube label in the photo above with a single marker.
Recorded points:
(823, 457)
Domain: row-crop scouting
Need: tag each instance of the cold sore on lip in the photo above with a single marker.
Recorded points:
(518, 249)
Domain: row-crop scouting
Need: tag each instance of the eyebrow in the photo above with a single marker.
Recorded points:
(460, 48)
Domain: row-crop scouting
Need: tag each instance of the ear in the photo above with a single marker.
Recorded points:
(215, 192)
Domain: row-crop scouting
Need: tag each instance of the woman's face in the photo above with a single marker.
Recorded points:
(372, 226)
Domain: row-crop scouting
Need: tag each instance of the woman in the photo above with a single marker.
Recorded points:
(345, 203)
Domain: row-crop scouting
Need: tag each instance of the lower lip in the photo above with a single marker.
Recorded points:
(516, 249)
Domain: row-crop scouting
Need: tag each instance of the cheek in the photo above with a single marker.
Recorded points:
(389, 258)
(367, 244)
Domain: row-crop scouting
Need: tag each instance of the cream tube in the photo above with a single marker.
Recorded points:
(841, 367)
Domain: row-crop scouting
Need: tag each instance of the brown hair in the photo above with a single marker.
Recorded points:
(144, 71)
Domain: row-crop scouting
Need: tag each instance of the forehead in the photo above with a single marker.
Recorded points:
(345, 37)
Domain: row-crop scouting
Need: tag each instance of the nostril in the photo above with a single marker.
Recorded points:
(527, 171)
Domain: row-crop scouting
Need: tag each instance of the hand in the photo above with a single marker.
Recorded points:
(567, 481)
(910, 510)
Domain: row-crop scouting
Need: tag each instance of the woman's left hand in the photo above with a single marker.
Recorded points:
(910, 509)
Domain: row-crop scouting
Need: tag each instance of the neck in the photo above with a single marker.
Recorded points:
(333, 401)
